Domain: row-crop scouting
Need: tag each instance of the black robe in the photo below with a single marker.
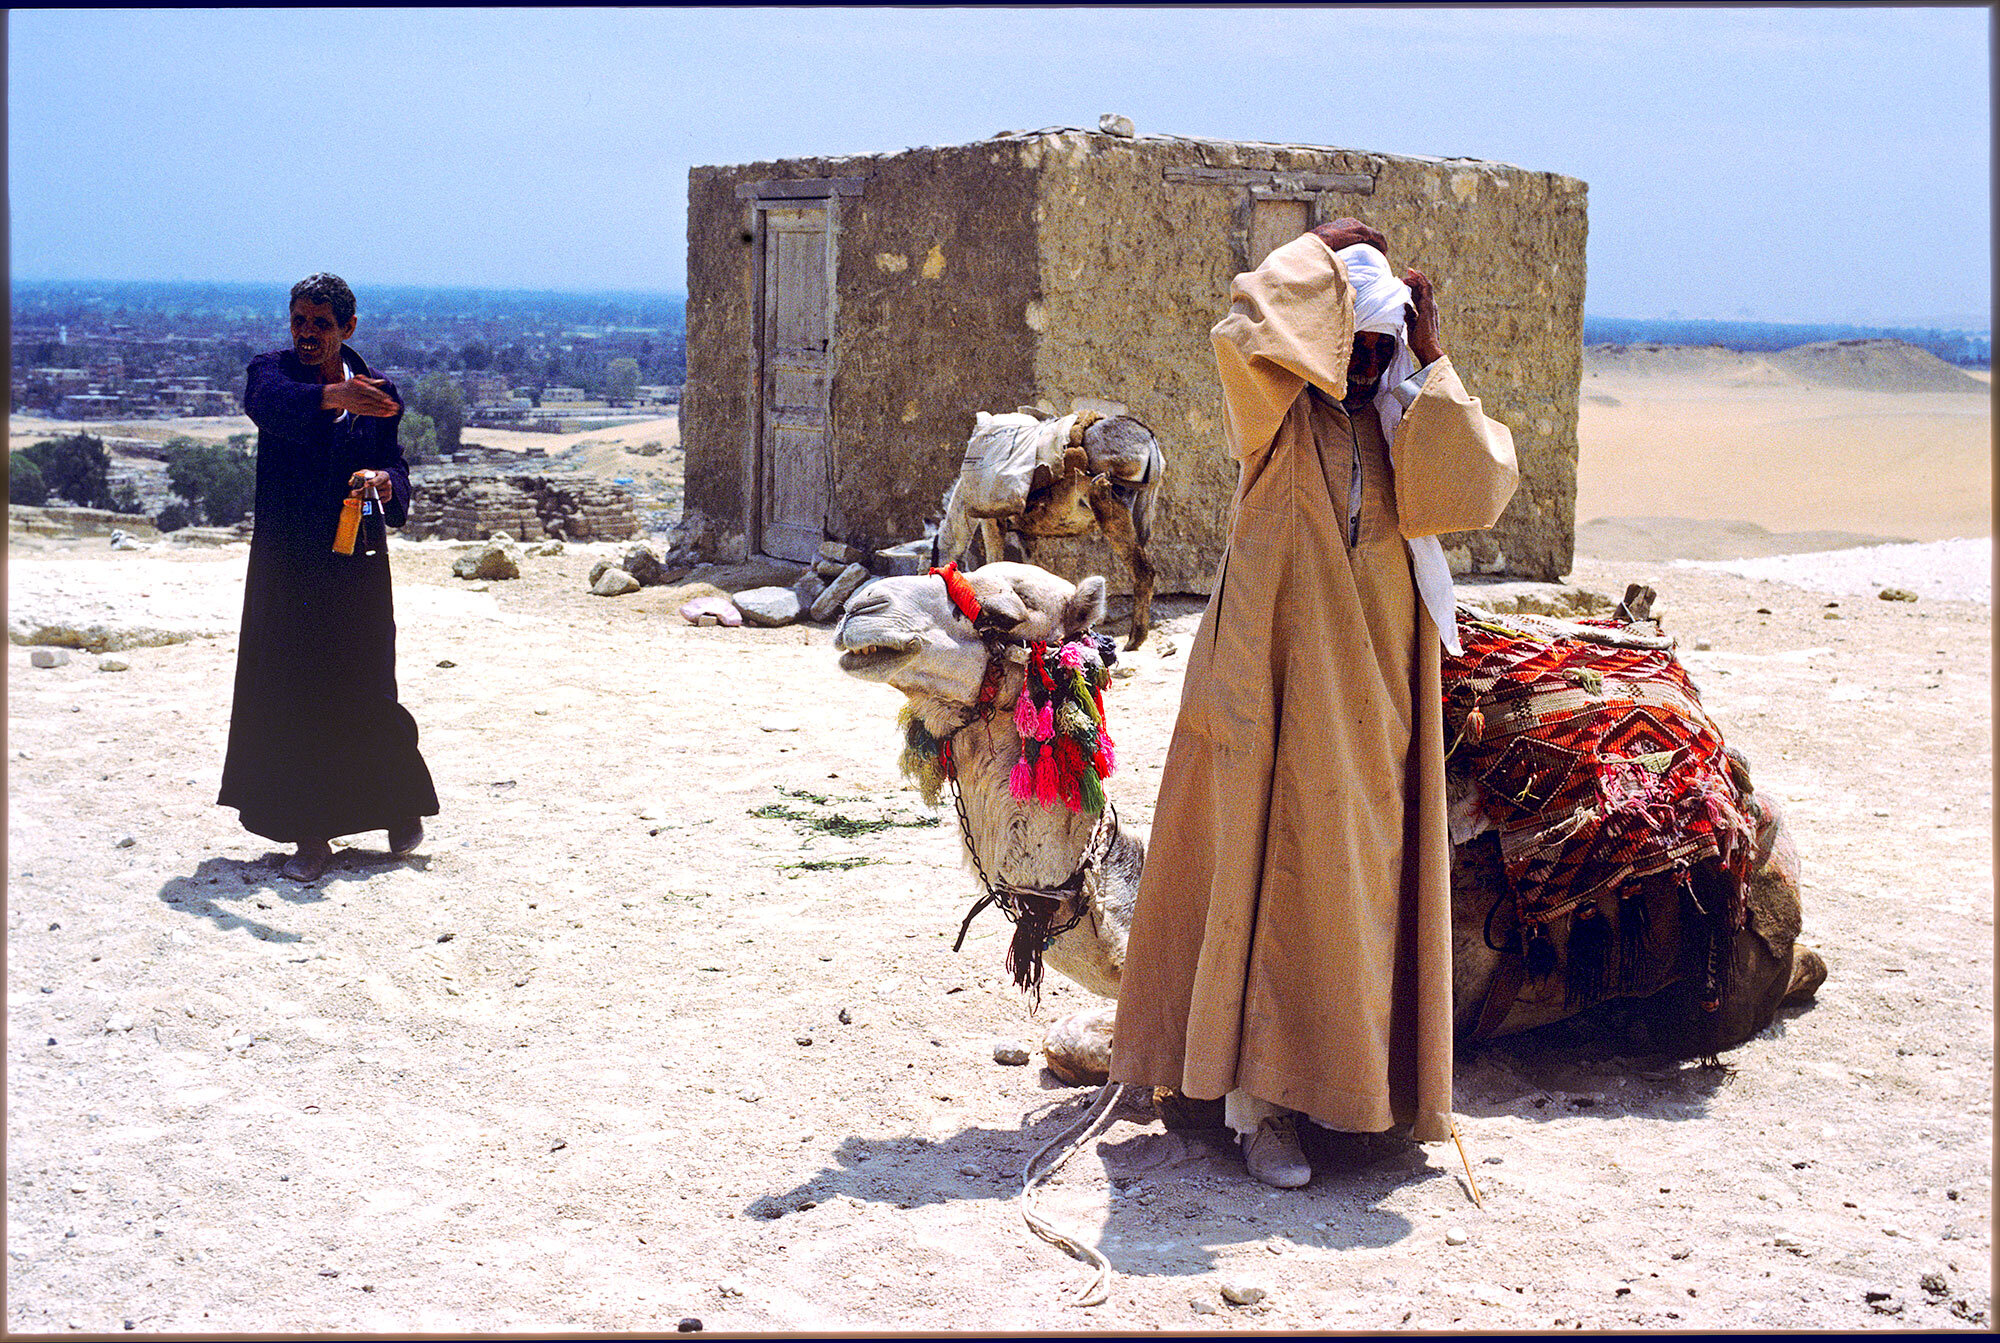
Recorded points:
(318, 745)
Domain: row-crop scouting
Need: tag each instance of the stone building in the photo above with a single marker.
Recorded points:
(847, 316)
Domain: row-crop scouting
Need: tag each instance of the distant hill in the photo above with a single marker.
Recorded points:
(1967, 348)
(1872, 364)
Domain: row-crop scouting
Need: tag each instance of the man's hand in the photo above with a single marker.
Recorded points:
(359, 395)
(384, 483)
(1420, 319)
(1347, 231)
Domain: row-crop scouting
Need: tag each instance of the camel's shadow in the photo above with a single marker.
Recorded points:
(223, 890)
(1602, 1062)
(1177, 1196)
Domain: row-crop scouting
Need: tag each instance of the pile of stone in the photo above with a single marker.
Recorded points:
(472, 507)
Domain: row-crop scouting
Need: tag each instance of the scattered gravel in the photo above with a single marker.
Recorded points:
(1944, 570)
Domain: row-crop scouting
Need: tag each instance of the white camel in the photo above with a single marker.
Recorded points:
(910, 634)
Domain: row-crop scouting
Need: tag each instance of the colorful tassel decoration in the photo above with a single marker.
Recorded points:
(1046, 791)
(1021, 783)
(1024, 714)
(1045, 724)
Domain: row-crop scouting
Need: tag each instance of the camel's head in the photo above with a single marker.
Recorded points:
(906, 632)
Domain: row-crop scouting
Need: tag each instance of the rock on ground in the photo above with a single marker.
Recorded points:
(837, 592)
(494, 560)
(611, 581)
(769, 606)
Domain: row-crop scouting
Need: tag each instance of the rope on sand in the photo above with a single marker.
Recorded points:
(1080, 1132)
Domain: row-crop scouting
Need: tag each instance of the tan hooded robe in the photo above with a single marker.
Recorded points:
(1293, 930)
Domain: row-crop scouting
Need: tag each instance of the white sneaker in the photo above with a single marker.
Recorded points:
(1273, 1154)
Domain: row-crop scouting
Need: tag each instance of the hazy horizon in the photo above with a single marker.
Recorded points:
(1815, 165)
(1973, 323)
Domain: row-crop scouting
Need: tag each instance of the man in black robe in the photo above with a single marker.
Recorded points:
(318, 745)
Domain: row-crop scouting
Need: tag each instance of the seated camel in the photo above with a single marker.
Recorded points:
(1028, 474)
(1072, 876)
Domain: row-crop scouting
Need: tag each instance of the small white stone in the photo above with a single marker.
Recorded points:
(1201, 1305)
(48, 657)
(120, 1021)
(780, 723)
(1010, 1052)
(114, 665)
(729, 1287)
(1243, 1292)
(1454, 1235)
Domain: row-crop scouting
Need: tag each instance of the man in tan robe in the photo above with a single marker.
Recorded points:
(1291, 947)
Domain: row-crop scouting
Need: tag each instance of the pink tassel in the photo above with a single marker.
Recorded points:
(1024, 714)
(1109, 756)
(1021, 783)
(1045, 726)
(1046, 791)
(1071, 656)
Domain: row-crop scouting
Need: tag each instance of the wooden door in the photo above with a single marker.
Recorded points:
(1275, 222)
(795, 468)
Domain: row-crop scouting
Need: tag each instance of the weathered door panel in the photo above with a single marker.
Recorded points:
(795, 468)
(1275, 222)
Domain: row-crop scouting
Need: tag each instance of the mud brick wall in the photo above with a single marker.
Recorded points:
(1088, 275)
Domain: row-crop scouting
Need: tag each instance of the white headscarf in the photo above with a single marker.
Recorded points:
(1379, 300)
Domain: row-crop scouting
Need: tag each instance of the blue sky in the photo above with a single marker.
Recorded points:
(1815, 164)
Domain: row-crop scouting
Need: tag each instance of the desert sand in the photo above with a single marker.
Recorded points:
(644, 1032)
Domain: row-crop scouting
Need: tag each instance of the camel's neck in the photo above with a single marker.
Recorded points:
(1021, 843)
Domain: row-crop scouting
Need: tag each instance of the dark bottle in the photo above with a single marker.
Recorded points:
(374, 531)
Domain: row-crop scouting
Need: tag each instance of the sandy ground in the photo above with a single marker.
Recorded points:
(1912, 466)
(639, 1035)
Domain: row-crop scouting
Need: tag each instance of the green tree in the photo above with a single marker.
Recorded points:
(220, 481)
(440, 399)
(24, 480)
(476, 354)
(621, 381)
(176, 516)
(74, 469)
(417, 433)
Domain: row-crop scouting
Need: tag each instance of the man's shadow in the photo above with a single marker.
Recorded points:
(225, 891)
(1178, 1195)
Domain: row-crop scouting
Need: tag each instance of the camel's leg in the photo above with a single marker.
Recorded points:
(1078, 1048)
(991, 546)
(1115, 520)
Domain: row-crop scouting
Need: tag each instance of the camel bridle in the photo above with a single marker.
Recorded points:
(1040, 906)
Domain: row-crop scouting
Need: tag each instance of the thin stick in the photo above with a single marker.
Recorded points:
(1470, 1182)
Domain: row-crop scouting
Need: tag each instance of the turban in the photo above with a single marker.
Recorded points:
(1379, 297)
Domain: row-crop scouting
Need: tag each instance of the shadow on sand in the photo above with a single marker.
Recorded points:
(225, 890)
(1177, 1196)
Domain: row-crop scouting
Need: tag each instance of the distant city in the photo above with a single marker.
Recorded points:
(523, 360)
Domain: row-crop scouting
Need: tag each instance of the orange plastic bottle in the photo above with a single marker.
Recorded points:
(350, 525)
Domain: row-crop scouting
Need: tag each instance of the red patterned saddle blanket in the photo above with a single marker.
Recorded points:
(1599, 768)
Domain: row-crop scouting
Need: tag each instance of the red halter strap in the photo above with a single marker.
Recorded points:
(960, 591)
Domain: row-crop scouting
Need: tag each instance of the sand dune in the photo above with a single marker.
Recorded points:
(1823, 439)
